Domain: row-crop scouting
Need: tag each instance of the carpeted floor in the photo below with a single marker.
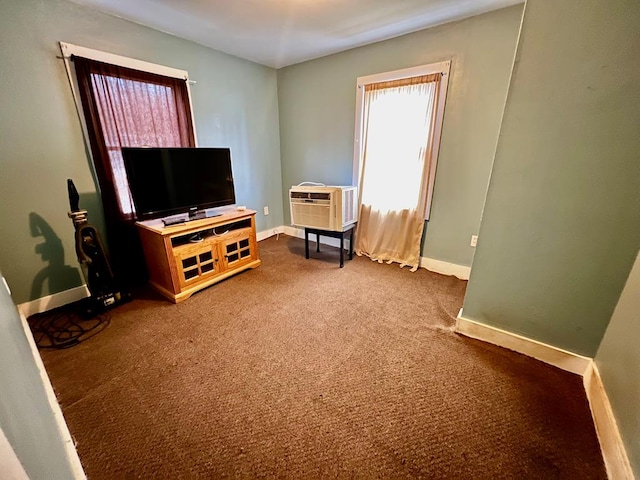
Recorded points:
(301, 369)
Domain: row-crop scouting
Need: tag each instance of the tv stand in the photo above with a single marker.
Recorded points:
(179, 266)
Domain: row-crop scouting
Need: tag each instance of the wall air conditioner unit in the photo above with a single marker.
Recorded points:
(325, 208)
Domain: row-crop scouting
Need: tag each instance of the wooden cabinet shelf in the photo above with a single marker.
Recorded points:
(185, 258)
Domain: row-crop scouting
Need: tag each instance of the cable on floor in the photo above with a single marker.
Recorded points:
(66, 327)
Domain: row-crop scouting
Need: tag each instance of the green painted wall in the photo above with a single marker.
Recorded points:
(317, 117)
(26, 417)
(561, 225)
(618, 361)
(234, 101)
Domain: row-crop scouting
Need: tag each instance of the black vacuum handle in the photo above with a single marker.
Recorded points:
(74, 197)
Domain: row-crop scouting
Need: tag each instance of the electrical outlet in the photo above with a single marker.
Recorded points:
(266, 210)
(474, 240)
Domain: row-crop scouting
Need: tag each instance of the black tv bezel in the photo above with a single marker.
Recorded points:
(191, 210)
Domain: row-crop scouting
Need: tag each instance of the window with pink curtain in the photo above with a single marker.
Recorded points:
(129, 108)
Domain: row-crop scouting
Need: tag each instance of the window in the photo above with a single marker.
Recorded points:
(391, 109)
(398, 125)
(127, 103)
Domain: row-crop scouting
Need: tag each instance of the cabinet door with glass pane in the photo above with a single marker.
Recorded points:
(238, 247)
(197, 262)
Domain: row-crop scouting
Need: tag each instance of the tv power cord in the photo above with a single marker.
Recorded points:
(66, 327)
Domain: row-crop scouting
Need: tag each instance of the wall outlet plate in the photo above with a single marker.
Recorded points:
(266, 210)
(474, 240)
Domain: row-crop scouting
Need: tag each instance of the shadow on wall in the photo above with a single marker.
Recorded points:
(56, 276)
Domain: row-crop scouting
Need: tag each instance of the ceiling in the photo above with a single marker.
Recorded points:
(278, 33)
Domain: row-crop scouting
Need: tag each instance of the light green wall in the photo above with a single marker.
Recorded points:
(561, 225)
(26, 417)
(317, 117)
(618, 361)
(234, 101)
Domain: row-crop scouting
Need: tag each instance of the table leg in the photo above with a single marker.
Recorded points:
(317, 242)
(351, 245)
(306, 243)
(342, 250)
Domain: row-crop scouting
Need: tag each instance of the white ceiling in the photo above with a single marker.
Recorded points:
(278, 33)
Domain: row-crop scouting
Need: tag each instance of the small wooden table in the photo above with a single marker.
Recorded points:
(330, 233)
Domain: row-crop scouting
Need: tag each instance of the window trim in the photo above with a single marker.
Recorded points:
(69, 49)
(441, 67)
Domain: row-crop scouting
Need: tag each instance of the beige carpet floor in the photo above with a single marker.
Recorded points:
(300, 369)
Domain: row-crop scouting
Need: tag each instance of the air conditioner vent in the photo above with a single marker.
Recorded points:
(320, 196)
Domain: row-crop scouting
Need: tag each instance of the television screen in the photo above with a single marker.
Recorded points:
(165, 181)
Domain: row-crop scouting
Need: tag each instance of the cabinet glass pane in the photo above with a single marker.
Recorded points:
(207, 267)
(232, 247)
(245, 253)
(188, 274)
(232, 258)
(205, 256)
(189, 262)
(244, 243)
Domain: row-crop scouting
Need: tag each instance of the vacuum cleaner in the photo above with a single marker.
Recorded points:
(101, 282)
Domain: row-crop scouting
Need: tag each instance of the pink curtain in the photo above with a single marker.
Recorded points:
(129, 108)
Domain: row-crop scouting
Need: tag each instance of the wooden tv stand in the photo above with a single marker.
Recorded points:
(183, 259)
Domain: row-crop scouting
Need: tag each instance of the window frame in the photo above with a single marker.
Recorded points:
(441, 67)
(69, 49)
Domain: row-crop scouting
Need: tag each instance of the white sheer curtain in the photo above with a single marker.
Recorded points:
(399, 119)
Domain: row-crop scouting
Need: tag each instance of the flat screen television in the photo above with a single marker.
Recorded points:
(168, 181)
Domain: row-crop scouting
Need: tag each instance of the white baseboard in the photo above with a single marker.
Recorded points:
(55, 300)
(445, 268)
(294, 232)
(569, 361)
(613, 449)
(264, 234)
(63, 429)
